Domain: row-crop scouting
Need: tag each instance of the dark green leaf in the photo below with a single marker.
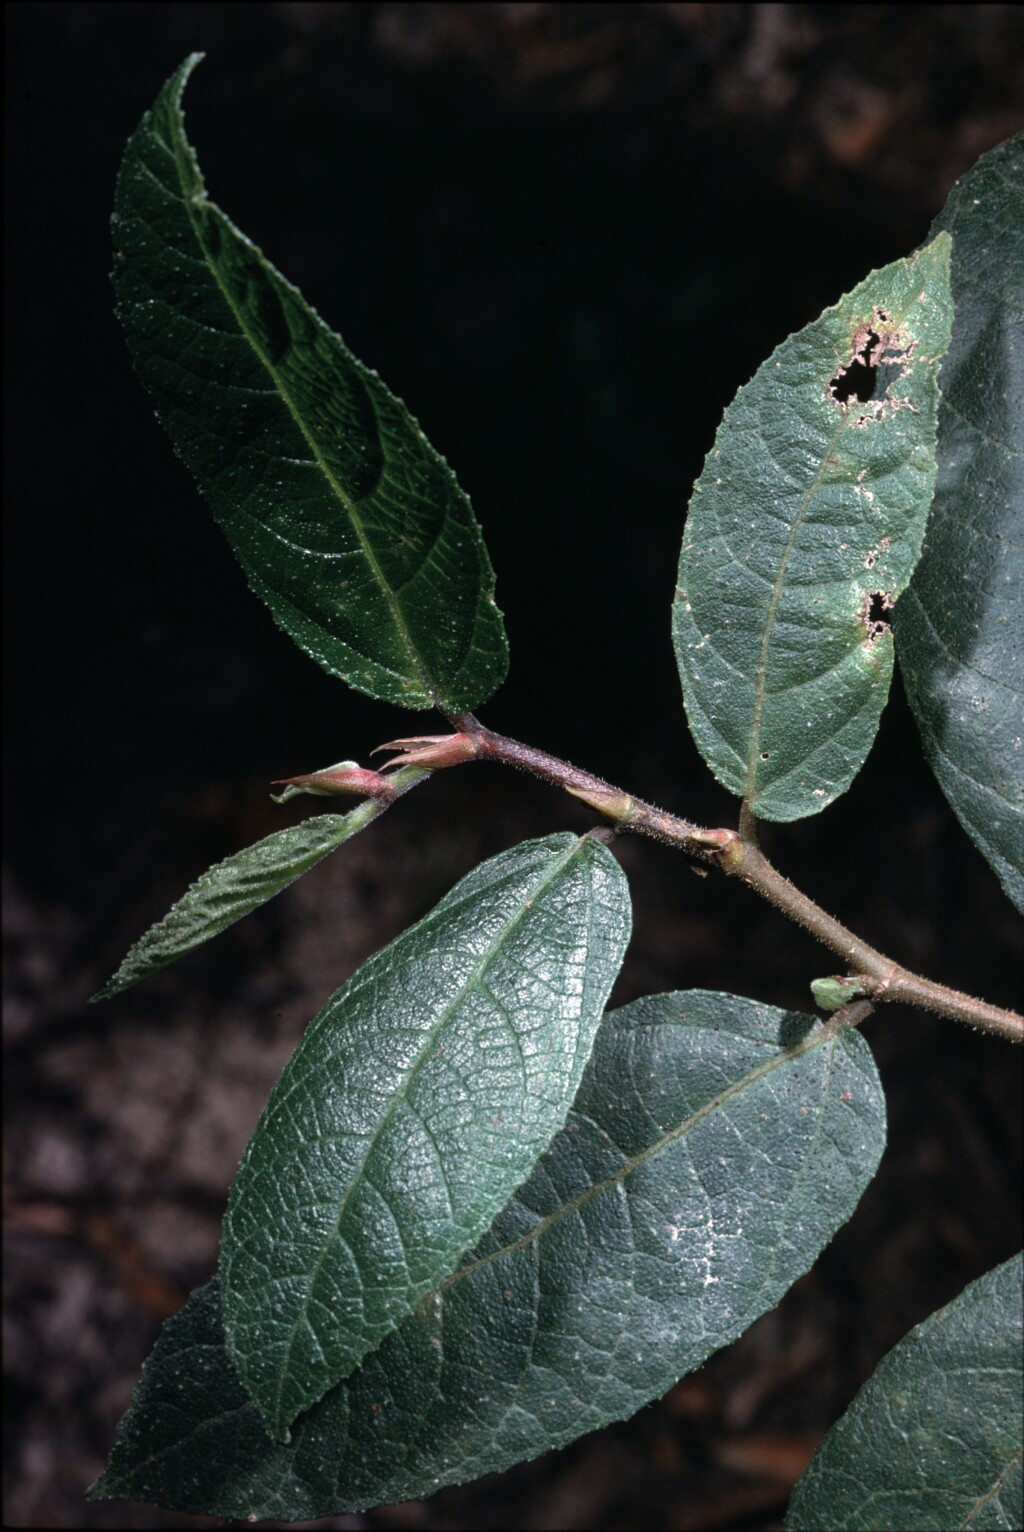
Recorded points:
(418, 1100)
(803, 529)
(348, 524)
(714, 1148)
(935, 1438)
(960, 627)
(240, 884)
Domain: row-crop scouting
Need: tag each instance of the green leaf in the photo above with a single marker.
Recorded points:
(348, 524)
(804, 527)
(418, 1100)
(935, 1438)
(714, 1148)
(239, 884)
(958, 629)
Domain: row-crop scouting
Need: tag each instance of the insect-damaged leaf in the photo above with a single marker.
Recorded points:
(960, 627)
(935, 1438)
(804, 528)
(348, 524)
(714, 1148)
(416, 1103)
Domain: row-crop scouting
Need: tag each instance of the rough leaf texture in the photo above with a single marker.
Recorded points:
(418, 1100)
(935, 1438)
(348, 524)
(960, 627)
(804, 527)
(714, 1148)
(238, 885)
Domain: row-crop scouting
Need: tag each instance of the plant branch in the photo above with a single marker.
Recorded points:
(881, 979)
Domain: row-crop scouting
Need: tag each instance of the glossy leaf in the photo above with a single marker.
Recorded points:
(418, 1100)
(935, 1438)
(348, 524)
(715, 1146)
(238, 885)
(804, 528)
(960, 627)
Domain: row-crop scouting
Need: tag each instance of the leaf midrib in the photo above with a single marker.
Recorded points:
(355, 1177)
(778, 585)
(188, 201)
(824, 1035)
(774, 599)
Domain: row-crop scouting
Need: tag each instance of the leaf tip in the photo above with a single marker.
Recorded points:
(117, 982)
(181, 76)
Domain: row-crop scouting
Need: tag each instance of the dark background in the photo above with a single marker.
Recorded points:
(565, 234)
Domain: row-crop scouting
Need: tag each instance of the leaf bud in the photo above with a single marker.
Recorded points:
(835, 991)
(432, 750)
(345, 777)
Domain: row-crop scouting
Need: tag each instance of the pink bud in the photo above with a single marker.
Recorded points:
(345, 777)
(432, 750)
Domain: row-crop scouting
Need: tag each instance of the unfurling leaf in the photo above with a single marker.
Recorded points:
(238, 885)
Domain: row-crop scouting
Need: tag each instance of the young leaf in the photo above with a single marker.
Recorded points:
(714, 1148)
(239, 884)
(348, 524)
(935, 1438)
(803, 529)
(418, 1100)
(958, 629)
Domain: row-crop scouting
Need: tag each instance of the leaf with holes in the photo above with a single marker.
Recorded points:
(960, 627)
(347, 523)
(416, 1103)
(714, 1148)
(935, 1438)
(804, 528)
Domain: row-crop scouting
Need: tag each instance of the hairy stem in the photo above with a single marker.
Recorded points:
(737, 854)
(884, 979)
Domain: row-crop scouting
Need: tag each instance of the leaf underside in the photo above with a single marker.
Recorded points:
(960, 627)
(349, 525)
(804, 528)
(416, 1103)
(714, 1148)
(935, 1438)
